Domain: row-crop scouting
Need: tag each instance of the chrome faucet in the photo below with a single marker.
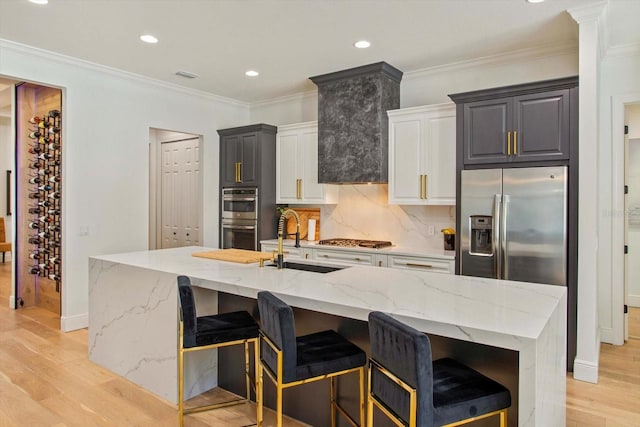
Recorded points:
(287, 212)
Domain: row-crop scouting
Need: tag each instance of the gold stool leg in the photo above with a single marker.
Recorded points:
(369, 401)
(332, 401)
(259, 385)
(247, 377)
(278, 404)
(181, 387)
(361, 403)
(503, 418)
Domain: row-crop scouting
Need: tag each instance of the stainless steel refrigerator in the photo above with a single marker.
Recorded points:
(513, 224)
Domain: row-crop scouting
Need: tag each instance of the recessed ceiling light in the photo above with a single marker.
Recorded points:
(362, 44)
(148, 38)
(252, 73)
(535, 1)
(39, 1)
(186, 74)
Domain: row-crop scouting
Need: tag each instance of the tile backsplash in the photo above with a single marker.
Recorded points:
(363, 212)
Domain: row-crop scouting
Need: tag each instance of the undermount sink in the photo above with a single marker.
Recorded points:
(315, 268)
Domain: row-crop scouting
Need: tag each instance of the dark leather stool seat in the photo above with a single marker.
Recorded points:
(214, 331)
(409, 388)
(290, 361)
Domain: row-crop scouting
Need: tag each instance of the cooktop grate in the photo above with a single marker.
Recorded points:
(375, 244)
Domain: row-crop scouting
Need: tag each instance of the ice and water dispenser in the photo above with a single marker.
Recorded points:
(481, 235)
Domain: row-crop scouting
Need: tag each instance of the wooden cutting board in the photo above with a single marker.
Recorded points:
(234, 255)
(305, 214)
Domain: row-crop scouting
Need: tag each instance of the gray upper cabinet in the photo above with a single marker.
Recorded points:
(524, 123)
(241, 154)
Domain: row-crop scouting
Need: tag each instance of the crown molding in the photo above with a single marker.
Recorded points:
(300, 96)
(26, 50)
(588, 12)
(492, 60)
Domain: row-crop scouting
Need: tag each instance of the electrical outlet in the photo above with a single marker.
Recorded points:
(431, 230)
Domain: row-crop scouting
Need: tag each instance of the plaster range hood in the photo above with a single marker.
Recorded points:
(353, 137)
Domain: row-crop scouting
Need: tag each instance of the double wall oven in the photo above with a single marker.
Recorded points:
(239, 218)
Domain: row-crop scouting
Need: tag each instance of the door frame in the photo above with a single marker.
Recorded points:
(618, 240)
(155, 184)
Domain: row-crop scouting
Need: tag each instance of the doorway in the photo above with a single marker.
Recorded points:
(7, 174)
(632, 219)
(175, 209)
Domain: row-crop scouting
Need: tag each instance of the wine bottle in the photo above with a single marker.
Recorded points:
(35, 269)
(35, 150)
(45, 187)
(44, 235)
(35, 135)
(54, 260)
(54, 162)
(34, 225)
(35, 240)
(53, 129)
(45, 203)
(55, 277)
(45, 218)
(45, 156)
(44, 171)
(54, 178)
(36, 255)
(34, 210)
(54, 146)
(54, 113)
(35, 120)
(35, 180)
(42, 124)
(35, 165)
(36, 195)
(53, 211)
(54, 195)
(54, 228)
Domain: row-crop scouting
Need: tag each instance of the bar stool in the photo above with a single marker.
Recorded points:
(214, 331)
(290, 361)
(411, 390)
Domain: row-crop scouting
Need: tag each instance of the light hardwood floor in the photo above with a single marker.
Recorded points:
(46, 379)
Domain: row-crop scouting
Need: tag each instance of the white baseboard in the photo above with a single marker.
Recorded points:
(585, 371)
(12, 302)
(72, 323)
(633, 300)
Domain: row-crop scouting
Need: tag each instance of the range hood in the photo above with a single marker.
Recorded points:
(353, 127)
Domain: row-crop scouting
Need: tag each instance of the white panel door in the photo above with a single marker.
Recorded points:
(287, 162)
(406, 135)
(181, 194)
(442, 162)
(312, 191)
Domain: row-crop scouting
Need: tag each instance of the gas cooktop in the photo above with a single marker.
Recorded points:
(375, 244)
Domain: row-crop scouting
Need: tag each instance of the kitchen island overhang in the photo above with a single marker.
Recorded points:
(133, 316)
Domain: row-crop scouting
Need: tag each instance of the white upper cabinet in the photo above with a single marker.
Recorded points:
(422, 155)
(297, 166)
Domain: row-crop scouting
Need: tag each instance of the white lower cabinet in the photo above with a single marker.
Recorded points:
(435, 265)
(341, 257)
(290, 252)
(344, 257)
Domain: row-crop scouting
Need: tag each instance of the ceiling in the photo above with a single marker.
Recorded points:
(288, 41)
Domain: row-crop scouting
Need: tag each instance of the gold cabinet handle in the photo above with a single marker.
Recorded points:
(306, 256)
(239, 171)
(379, 263)
(357, 259)
(425, 186)
(298, 189)
(421, 190)
(419, 265)
(515, 143)
(509, 143)
(325, 255)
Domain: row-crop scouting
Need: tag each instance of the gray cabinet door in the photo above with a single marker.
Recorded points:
(485, 131)
(541, 121)
(240, 150)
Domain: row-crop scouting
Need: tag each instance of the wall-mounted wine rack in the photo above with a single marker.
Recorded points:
(45, 192)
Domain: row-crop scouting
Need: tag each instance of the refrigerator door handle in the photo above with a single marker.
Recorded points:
(497, 253)
(503, 237)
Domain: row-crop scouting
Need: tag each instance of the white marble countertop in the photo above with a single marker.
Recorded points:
(390, 250)
(496, 312)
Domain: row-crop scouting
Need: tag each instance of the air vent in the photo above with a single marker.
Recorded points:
(186, 74)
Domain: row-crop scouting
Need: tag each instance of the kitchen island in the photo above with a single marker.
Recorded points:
(133, 318)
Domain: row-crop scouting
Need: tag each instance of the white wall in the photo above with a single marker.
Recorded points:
(6, 154)
(106, 120)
